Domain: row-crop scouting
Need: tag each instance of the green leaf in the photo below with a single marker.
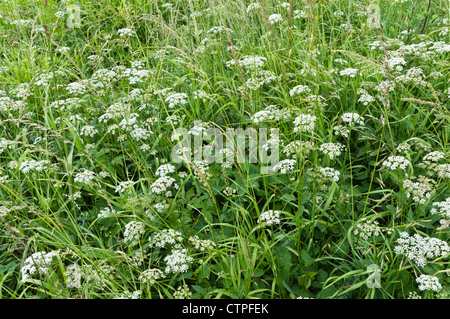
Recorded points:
(306, 258)
(285, 262)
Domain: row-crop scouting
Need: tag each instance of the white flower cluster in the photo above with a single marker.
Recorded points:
(217, 30)
(202, 244)
(150, 276)
(259, 78)
(322, 174)
(252, 7)
(275, 18)
(105, 76)
(349, 72)
(365, 98)
(228, 191)
(397, 63)
(130, 124)
(86, 177)
(270, 113)
(21, 91)
(427, 282)
(417, 248)
(413, 295)
(443, 170)
(165, 170)
(4, 210)
(420, 190)
(22, 22)
(285, 166)
(434, 156)
(125, 32)
(76, 88)
(413, 75)
(166, 236)
(136, 76)
(178, 261)
(114, 111)
(442, 209)
(269, 217)
(300, 14)
(106, 212)
(415, 144)
(304, 122)
(366, 228)
(274, 140)
(67, 105)
(133, 230)
(197, 130)
(341, 130)
(182, 292)
(332, 149)
(32, 165)
(130, 295)
(200, 169)
(299, 89)
(5, 144)
(163, 184)
(8, 105)
(88, 130)
(161, 207)
(201, 95)
(352, 119)
(250, 63)
(394, 162)
(341, 61)
(36, 263)
(43, 80)
(176, 99)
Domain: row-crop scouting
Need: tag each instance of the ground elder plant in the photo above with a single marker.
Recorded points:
(224, 149)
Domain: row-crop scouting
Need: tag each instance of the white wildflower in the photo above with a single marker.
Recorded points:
(269, 217)
(166, 236)
(150, 276)
(304, 122)
(349, 72)
(299, 89)
(163, 184)
(133, 230)
(332, 149)
(275, 18)
(427, 282)
(418, 249)
(36, 263)
(285, 166)
(125, 32)
(178, 261)
(394, 162)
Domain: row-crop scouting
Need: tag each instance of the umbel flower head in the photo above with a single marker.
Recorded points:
(270, 217)
(394, 162)
(418, 249)
(36, 263)
(427, 282)
(133, 230)
(163, 185)
(304, 122)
